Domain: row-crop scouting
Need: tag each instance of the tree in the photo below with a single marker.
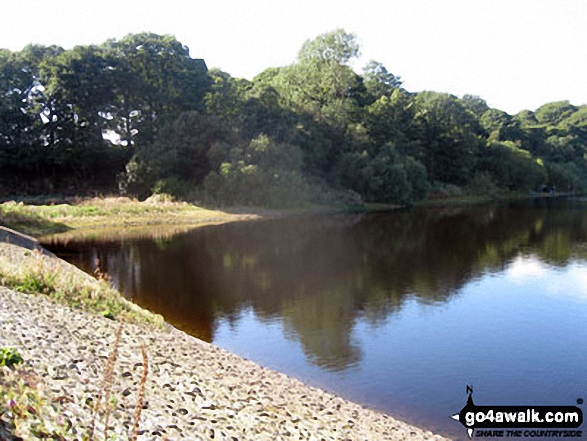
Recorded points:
(378, 81)
(449, 137)
(19, 125)
(566, 177)
(226, 96)
(391, 118)
(336, 47)
(500, 126)
(475, 104)
(321, 82)
(511, 167)
(554, 113)
(385, 176)
(165, 81)
(260, 172)
(325, 92)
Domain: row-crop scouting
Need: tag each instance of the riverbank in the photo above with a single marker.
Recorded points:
(112, 212)
(193, 390)
(160, 216)
(157, 216)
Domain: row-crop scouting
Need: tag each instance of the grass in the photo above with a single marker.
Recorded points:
(39, 220)
(32, 272)
(27, 221)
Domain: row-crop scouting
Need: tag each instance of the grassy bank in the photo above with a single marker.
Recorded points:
(35, 273)
(39, 220)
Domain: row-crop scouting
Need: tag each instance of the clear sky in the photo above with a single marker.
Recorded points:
(516, 54)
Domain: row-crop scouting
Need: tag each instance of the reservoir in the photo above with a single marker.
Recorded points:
(398, 311)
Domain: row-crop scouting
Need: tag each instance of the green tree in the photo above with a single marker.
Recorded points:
(226, 96)
(321, 82)
(337, 47)
(259, 172)
(166, 81)
(475, 104)
(379, 81)
(385, 176)
(19, 126)
(501, 127)
(554, 113)
(511, 167)
(391, 118)
(325, 92)
(449, 137)
(566, 177)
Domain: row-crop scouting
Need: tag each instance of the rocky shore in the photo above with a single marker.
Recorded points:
(193, 391)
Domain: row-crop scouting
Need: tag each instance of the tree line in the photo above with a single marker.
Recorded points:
(140, 115)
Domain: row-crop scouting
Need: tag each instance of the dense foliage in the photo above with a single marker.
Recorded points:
(140, 115)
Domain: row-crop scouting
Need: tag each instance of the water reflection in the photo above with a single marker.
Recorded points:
(319, 274)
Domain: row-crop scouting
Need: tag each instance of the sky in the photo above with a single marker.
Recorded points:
(515, 54)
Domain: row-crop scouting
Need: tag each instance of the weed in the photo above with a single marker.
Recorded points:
(106, 387)
(140, 399)
(9, 357)
(26, 412)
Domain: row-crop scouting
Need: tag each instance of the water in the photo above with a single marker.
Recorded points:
(398, 311)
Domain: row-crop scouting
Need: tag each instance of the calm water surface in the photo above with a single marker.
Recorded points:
(398, 311)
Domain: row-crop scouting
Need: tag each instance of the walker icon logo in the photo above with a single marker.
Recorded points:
(484, 420)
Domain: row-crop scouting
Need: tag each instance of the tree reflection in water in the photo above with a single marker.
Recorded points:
(320, 273)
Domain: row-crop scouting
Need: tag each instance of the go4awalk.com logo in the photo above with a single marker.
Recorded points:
(520, 421)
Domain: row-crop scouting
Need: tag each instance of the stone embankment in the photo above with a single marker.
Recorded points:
(194, 390)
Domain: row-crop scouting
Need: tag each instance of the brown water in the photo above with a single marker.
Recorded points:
(399, 311)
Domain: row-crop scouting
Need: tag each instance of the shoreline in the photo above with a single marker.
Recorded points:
(194, 389)
(113, 213)
(107, 215)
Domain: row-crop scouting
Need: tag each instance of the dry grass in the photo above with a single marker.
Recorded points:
(106, 387)
(141, 398)
(38, 220)
(32, 272)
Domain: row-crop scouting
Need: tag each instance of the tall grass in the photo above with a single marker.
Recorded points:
(32, 272)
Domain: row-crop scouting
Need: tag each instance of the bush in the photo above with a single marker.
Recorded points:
(173, 187)
(565, 177)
